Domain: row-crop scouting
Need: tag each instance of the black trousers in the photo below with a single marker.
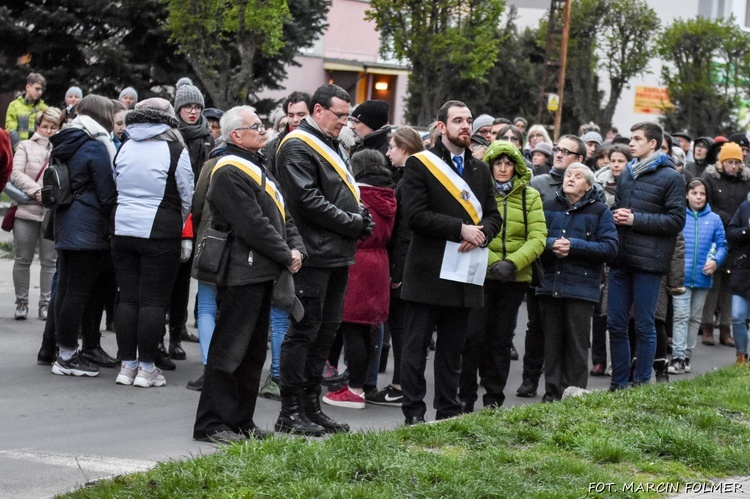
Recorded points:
(179, 299)
(359, 348)
(77, 275)
(533, 356)
(145, 269)
(396, 325)
(235, 360)
(307, 343)
(567, 330)
(420, 321)
(490, 336)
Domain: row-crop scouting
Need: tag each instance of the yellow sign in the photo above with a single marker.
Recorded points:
(651, 100)
(553, 103)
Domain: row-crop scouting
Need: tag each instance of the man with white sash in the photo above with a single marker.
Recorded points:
(449, 204)
(324, 200)
(246, 201)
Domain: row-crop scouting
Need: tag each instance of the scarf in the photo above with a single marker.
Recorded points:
(504, 188)
(640, 167)
(96, 132)
(197, 141)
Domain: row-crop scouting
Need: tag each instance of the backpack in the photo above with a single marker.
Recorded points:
(56, 189)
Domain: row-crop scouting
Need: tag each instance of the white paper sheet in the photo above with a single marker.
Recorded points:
(469, 267)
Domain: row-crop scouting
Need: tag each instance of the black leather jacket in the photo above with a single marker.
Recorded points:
(326, 213)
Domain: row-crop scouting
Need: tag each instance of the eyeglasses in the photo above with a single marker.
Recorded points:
(535, 135)
(193, 108)
(510, 138)
(342, 117)
(564, 151)
(258, 127)
(733, 162)
(392, 146)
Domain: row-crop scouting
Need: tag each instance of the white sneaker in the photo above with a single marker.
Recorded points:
(126, 375)
(146, 379)
(22, 311)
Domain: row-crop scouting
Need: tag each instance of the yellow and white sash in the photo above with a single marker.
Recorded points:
(329, 155)
(256, 173)
(453, 183)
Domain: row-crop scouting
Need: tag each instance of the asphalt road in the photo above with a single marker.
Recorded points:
(59, 433)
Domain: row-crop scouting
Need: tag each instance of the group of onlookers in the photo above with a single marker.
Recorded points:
(343, 233)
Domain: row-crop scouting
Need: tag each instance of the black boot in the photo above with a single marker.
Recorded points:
(660, 371)
(311, 407)
(162, 359)
(292, 420)
(48, 352)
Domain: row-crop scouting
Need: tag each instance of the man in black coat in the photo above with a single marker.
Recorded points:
(448, 197)
(245, 201)
(324, 201)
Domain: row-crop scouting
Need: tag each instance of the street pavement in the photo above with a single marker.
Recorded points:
(59, 433)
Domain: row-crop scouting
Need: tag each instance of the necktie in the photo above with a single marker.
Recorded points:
(459, 164)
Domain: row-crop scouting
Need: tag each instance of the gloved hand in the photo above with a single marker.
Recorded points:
(502, 271)
(186, 250)
(368, 225)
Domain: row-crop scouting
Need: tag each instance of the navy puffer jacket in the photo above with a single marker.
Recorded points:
(593, 241)
(657, 200)
(84, 224)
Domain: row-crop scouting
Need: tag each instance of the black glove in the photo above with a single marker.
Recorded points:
(368, 225)
(502, 271)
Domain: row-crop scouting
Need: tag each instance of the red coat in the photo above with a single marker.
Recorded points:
(369, 289)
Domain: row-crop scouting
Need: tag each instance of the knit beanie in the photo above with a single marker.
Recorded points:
(482, 120)
(128, 91)
(543, 148)
(740, 138)
(75, 91)
(187, 94)
(591, 137)
(373, 113)
(730, 150)
(183, 81)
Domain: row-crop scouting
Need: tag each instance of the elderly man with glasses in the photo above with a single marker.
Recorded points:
(324, 200)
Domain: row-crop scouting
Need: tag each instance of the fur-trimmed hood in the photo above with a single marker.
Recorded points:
(150, 116)
(713, 171)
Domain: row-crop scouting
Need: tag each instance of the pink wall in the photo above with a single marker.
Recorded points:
(349, 36)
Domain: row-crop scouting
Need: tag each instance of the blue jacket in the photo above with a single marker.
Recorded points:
(702, 230)
(657, 200)
(84, 224)
(590, 227)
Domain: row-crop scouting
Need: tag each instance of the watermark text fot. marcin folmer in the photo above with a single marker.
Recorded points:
(668, 487)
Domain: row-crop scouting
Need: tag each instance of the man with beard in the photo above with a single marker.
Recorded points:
(449, 204)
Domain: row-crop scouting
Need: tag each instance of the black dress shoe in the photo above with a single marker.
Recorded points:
(414, 420)
(186, 335)
(99, 357)
(163, 361)
(196, 385)
(255, 432)
(176, 352)
(222, 437)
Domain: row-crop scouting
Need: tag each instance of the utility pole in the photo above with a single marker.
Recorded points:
(563, 66)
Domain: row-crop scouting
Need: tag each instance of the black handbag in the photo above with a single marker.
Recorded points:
(212, 255)
(537, 269)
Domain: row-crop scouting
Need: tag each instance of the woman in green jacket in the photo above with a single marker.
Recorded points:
(520, 242)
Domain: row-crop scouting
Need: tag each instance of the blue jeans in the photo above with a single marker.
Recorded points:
(206, 316)
(740, 316)
(623, 285)
(688, 309)
(279, 326)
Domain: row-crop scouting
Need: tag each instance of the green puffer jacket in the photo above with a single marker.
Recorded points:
(516, 243)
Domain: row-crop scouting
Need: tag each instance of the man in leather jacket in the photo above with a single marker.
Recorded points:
(324, 201)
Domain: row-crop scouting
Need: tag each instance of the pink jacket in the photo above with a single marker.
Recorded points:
(31, 157)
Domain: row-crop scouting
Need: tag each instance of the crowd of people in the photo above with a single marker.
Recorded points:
(332, 231)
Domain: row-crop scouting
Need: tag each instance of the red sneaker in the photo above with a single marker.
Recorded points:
(345, 398)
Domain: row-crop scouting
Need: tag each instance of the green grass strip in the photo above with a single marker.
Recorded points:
(632, 443)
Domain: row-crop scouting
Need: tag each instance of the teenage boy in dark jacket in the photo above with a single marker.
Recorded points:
(649, 211)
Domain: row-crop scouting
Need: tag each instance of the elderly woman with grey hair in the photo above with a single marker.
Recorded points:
(581, 237)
